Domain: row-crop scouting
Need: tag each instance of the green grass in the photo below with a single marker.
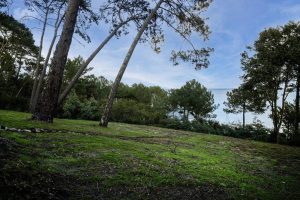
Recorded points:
(142, 162)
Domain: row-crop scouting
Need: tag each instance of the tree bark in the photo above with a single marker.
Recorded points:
(283, 103)
(108, 107)
(43, 73)
(297, 102)
(87, 62)
(244, 111)
(36, 71)
(46, 107)
(274, 118)
(19, 68)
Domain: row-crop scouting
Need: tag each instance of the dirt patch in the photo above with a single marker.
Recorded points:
(8, 150)
(208, 192)
(24, 184)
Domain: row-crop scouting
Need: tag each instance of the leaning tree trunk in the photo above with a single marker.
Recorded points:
(36, 72)
(47, 104)
(87, 62)
(43, 73)
(108, 107)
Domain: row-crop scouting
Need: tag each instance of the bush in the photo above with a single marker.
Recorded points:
(72, 107)
(90, 110)
(254, 131)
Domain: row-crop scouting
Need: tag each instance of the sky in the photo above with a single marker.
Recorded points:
(234, 24)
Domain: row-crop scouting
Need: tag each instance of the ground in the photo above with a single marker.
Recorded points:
(80, 160)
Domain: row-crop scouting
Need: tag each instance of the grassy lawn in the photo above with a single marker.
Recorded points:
(81, 160)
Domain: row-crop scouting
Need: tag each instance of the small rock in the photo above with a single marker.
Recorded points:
(33, 130)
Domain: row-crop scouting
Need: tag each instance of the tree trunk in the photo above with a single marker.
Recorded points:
(275, 120)
(36, 71)
(87, 62)
(19, 68)
(108, 107)
(275, 133)
(20, 90)
(46, 107)
(297, 118)
(43, 73)
(282, 110)
(244, 112)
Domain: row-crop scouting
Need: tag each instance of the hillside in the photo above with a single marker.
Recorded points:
(77, 159)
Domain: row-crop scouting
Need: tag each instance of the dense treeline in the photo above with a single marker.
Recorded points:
(140, 104)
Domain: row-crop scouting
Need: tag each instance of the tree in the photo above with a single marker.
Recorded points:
(269, 74)
(140, 104)
(44, 8)
(49, 9)
(48, 102)
(193, 99)
(122, 14)
(71, 69)
(240, 100)
(38, 80)
(288, 119)
(183, 14)
(291, 34)
(89, 16)
(16, 38)
(84, 65)
(17, 55)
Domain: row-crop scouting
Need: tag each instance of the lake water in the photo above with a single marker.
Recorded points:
(222, 117)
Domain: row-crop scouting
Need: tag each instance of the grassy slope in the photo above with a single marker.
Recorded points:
(143, 162)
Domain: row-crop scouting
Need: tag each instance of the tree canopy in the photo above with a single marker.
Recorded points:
(193, 99)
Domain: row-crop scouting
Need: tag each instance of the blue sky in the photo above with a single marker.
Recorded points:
(234, 25)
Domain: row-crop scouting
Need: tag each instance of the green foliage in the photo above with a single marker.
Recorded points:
(72, 107)
(90, 109)
(242, 99)
(130, 111)
(194, 99)
(254, 132)
(72, 67)
(17, 55)
(140, 104)
(183, 17)
(270, 71)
